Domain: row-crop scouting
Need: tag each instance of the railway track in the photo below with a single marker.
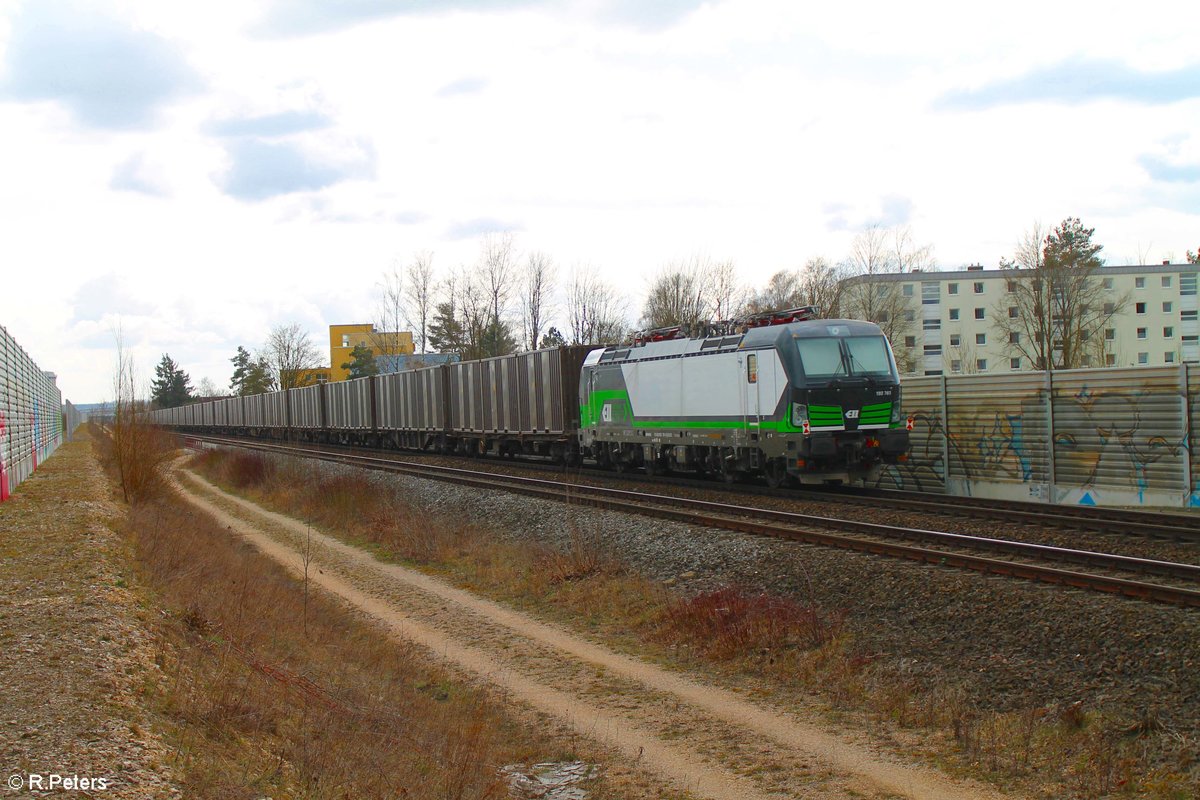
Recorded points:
(1114, 574)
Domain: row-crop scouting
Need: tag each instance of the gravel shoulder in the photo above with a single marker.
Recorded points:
(75, 655)
(700, 737)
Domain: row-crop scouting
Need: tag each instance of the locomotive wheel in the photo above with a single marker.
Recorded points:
(777, 474)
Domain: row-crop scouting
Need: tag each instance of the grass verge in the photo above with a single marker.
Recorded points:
(774, 644)
(270, 692)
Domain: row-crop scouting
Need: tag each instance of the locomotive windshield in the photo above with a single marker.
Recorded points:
(836, 357)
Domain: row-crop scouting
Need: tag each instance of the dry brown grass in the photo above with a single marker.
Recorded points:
(1072, 752)
(267, 702)
(136, 454)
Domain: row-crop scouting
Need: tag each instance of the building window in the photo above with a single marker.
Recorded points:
(1108, 284)
(979, 313)
(956, 365)
(933, 372)
(933, 350)
(1014, 363)
(952, 288)
(1109, 308)
(1187, 285)
(930, 293)
(1143, 358)
(978, 287)
(981, 338)
(881, 317)
(1187, 316)
(1139, 283)
(955, 340)
(1012, 286)
(1167, 306)
(1166, 281)
(1140, 308)
(953, 313)
(1012, 312)
(1141, 333)
(1168, 332)
(910, 341)
(981, 364)
(883, 290)
(1110, 360)
(931, 325)
(1110, 334)
(1014, 337)
(908, 290)
(910, 315)
(1169, 358)
(1087, 360)
(345, 340)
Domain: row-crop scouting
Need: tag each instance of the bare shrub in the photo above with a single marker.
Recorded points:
(730, 622)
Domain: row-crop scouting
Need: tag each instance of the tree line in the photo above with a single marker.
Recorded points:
(506, 300)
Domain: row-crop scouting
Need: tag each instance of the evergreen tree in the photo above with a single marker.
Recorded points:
(250, 375)
(259, 377)
(241, 368)
(362, 362)
(446, 333)
(496, 340)
(553, 338)
(1193, 258)
(171, 386)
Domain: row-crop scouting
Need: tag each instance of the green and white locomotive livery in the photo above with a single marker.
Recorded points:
(815, 400)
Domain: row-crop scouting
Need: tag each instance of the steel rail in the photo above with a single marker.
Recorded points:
(799, 527)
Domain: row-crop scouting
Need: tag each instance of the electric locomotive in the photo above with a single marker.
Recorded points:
(782, 395)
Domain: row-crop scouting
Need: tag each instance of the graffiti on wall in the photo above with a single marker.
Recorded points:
(1116, 438)
(1120, 440)
(3, 459)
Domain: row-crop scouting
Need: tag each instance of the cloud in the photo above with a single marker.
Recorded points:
(469, 229)
(463, 86)
(893, 210)
(1162, 170)
(260, 169)
(283, 123)
(135, 174)
(106, 296)
(107, 74)
(306, 17)
(1080, 81)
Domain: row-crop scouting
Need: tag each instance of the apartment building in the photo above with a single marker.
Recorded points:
(953, 324)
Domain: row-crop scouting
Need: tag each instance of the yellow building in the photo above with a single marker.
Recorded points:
(344, 338)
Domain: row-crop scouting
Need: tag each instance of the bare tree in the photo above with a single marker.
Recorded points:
(207, 388)
(727, 297)
(906, 255)
(498, 270)
(1056, 309)
(679, 294)
(290, 352)
(869, 294)
(419, 291)
(821, 286)
(594, 313)
(783, 290)
(535, 297)
(391, 314)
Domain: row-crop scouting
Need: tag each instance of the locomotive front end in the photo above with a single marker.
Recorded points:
(845, 402)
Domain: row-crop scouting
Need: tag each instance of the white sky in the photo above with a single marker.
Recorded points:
(201, 172)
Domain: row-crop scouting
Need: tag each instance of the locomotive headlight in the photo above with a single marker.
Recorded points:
(895, 412)
(799, 414)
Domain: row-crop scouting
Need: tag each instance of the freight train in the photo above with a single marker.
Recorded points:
(782, 396)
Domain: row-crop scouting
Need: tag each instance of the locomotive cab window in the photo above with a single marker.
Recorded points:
(752, 368)
(853, 355)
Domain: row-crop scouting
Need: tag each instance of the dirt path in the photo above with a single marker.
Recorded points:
(702, 738)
